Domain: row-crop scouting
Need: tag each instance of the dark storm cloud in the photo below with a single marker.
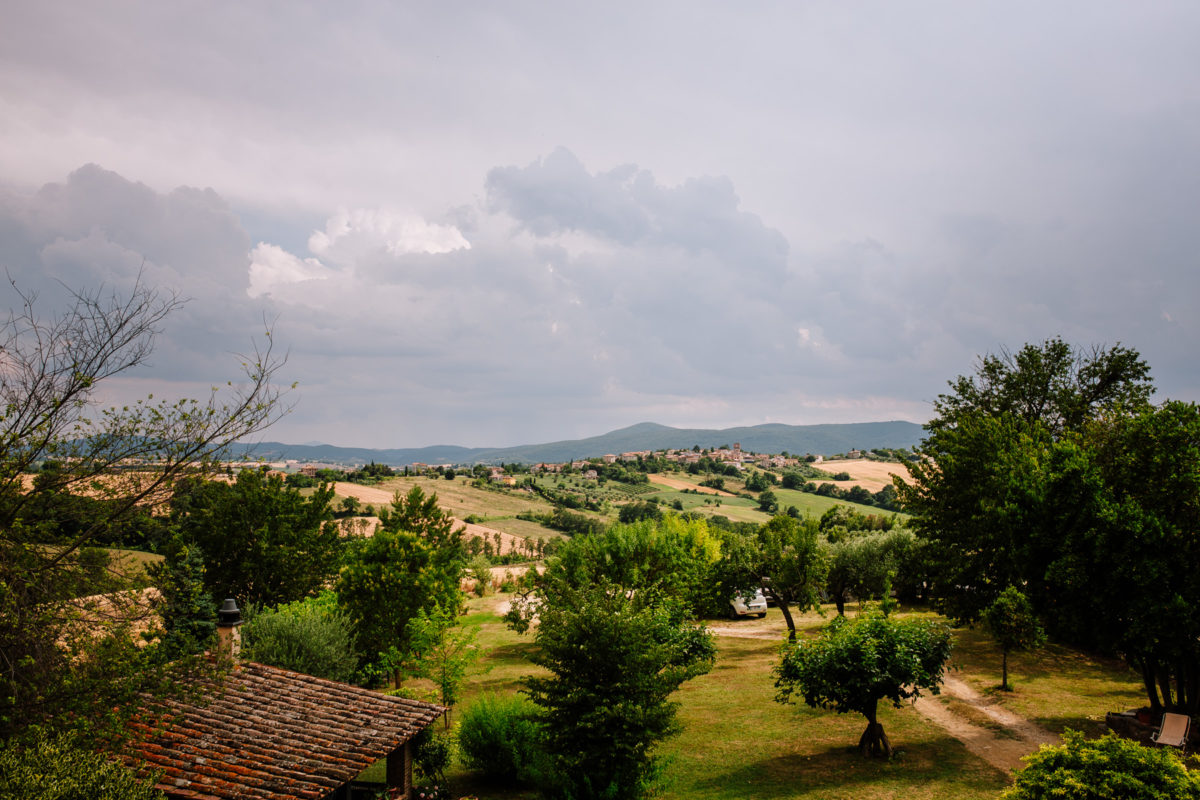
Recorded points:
(98, 229)
(628, 206)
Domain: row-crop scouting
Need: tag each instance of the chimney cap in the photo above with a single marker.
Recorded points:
(229, 616)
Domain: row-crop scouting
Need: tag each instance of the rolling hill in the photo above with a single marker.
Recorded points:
(770, 438)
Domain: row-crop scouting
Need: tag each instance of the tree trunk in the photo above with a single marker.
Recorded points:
(1151, 689)
(839, 600)
(1193, 681)
(787, 617)
(874, 742)
(1164, 686)
(1004, 673)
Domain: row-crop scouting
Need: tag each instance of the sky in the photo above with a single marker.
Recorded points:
(491, 224)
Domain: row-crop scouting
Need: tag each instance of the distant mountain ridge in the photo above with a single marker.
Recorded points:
(769, 438)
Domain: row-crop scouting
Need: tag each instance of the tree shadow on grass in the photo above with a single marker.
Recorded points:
(941, 762)
(1077, 722)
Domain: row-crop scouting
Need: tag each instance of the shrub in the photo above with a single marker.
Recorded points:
(46, 768)
(480, 569)
(433, 753)
(311, 636)
(1101, 768)
(498, 737)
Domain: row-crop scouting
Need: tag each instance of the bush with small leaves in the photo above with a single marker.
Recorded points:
(59, 768)
(1097, 769)
(312, 636)
(499, 737)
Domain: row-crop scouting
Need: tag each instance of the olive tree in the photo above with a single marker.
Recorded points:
(855, 663)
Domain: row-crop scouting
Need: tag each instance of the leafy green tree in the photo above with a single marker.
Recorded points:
(861, 562)
(1013, 623)
(263, 542)
(671, 557)
(792, 480)
(979, 495)
(312, 636)
(614, 659)
(445, 651)
(1128, 505)
(790, 566)
(634, 511)
(501, 739)
(187, 610)
(62, 767)
(413, 562)
(1055, 474)
(1098, 769)
(768, 502)
(55, 371)
(857, 662)
(1053, 384)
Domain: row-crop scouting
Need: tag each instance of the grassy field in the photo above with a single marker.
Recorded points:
(130, 563)
(1056, 687)
(737, 742)
(740, 509)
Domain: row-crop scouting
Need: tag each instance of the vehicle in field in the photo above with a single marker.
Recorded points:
(747, 603)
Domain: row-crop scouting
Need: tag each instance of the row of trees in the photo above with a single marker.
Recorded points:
(1049, 470)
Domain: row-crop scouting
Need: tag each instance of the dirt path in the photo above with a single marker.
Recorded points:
(1005, 750)
(1002, 740)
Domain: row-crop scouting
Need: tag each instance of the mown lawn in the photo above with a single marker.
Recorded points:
(737, 742)
(1057, 687)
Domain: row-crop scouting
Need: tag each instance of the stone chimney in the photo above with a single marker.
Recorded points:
(229, 638)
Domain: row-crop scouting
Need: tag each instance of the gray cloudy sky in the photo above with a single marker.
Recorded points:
(499, 223)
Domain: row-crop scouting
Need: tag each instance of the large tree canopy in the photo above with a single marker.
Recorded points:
(1053, 384)
(1055, 475)
(263, 542)
(979, 492)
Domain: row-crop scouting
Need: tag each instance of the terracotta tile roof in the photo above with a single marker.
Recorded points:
(265, 732)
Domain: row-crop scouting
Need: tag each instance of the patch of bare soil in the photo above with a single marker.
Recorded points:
(676, 483)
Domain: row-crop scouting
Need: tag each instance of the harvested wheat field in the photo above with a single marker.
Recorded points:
(678, 483)
(383, 497)
(871, 475)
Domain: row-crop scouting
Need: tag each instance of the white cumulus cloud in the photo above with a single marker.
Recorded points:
(351, 235)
